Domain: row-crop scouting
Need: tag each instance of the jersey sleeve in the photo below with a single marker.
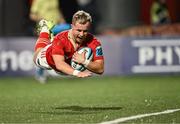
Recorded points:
(97, 51)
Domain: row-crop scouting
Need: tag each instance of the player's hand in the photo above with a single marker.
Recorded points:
(79, 58)
(84, 74)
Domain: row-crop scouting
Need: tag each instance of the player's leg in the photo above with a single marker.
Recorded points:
(44, 35)
(42, 41)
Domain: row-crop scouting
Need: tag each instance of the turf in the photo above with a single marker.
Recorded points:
(89, 100)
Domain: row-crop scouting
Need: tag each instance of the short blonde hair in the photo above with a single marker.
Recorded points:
(81, 17)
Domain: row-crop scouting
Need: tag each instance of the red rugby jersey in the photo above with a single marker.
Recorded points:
(61, 45)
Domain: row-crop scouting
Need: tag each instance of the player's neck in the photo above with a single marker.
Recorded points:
(72, 40)
(70, 36)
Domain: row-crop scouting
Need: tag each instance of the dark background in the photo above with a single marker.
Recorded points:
(114, 14)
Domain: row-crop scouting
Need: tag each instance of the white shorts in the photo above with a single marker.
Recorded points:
(41, 59)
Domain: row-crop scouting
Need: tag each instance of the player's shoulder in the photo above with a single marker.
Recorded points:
(92, 39)
(63, 33)
(62, 36)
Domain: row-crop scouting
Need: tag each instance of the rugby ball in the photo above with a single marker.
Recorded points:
(88, 56)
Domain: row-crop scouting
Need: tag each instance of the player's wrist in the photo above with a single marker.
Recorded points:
(75, 72)
(86, 62)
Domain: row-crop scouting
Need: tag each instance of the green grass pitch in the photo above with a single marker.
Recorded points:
(89, 100)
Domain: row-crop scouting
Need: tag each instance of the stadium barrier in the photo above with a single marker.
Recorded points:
(123, 56)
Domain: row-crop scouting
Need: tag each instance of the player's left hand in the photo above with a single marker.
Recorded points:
(79, 58)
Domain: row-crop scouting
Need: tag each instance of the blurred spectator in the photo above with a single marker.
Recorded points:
(68, 7)
(90, 6)
(28, 24)
(159, 13)
(46, 9)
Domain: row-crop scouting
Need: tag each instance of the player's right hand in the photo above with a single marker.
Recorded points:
(84, 74)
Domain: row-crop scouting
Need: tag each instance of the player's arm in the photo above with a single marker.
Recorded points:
(62, 66)
(96, 66)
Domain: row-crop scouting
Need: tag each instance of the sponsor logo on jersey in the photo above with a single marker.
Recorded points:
(99, 51)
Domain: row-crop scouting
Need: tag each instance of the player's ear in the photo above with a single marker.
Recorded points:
(72, 25)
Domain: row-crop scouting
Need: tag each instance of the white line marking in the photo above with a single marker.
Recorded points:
(139, 116)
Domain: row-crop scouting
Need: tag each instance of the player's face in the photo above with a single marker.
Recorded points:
(80, 31)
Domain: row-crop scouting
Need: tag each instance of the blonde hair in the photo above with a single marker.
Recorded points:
(81, 17)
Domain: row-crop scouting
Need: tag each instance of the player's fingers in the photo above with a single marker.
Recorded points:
(87, 74)
(84, 53)
(74, 56)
